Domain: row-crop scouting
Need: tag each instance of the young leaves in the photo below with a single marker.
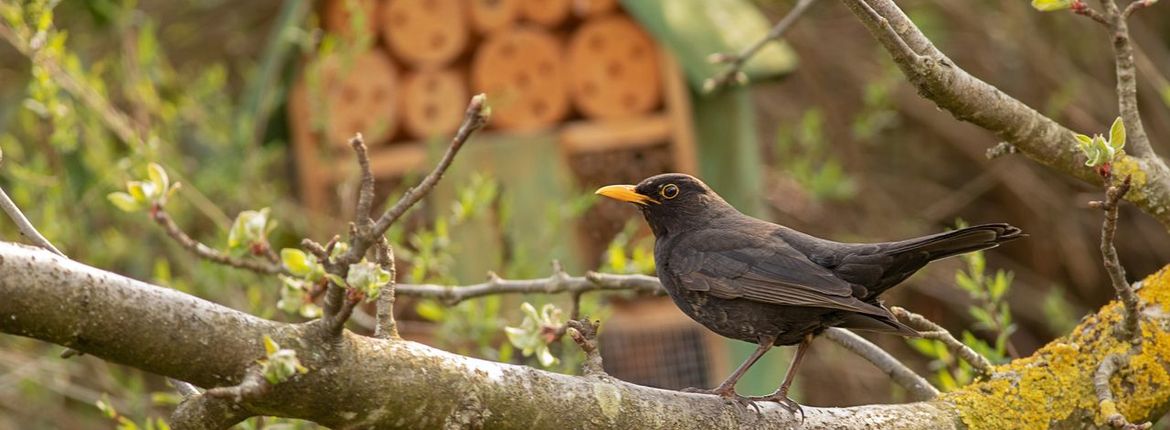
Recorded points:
(1100, 151)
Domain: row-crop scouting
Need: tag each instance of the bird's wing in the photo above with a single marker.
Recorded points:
(762, 268)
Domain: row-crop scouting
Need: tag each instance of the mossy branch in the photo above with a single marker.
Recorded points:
(356, 381)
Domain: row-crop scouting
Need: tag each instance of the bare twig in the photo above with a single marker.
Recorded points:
(930, 330)
(386, 327)
(1134, 6)
(1079, 7)
(732, 73)
(885, 33)
(584, 333)
(475, 118)
(1110, 365)
(1113, 195)
(26, 227)
(592, 281)
(366, 192)
(363, 233)
(918, 387)
(162, 218)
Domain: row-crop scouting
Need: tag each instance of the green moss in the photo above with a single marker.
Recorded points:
(1054, 386)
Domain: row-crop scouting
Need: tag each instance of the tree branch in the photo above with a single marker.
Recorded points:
(1110, 365)
(1127, 80)
(918, 387)
(364, 382)
(385, 327)
(26, 227)
(162, 218)
(1040, 138)
(1113, 195)
(592, 281)
(930, 330)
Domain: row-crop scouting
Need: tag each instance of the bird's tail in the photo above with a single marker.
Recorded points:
(955, 242)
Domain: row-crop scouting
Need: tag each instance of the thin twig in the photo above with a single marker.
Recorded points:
(1113, 195)
(735, 62)
(918, 387)
(592, 281)
(474, 119)
(881, 29)
(386, 327)
(1134, 6)
(162, 218)
(1079, 7)
(1108, 405)
(363, 235)
(366, 191)
(26, 227)
(930, 330)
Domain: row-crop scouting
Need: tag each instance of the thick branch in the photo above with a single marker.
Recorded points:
(362, 382)
(918, 387)
(940, 80)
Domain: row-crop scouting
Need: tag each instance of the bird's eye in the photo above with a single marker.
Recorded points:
(670, 191)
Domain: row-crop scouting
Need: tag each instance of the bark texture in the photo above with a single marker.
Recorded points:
(361, 382)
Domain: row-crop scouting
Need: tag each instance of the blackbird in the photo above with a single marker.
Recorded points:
(767, 284)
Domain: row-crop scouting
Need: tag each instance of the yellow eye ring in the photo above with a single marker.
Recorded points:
(669, 191)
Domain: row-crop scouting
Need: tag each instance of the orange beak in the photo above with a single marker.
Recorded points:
(625, 193)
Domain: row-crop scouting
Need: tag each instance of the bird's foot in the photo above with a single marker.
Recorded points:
(728, 394)
(785, 402)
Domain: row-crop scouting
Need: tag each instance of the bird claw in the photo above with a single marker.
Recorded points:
(784, 401)
(729, 396)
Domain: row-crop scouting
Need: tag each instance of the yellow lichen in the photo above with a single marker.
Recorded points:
(1055, 385)
(1128, 166)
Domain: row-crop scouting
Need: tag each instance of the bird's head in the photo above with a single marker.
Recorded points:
(670, 201)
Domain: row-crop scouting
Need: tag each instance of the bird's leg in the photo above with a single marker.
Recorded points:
(781, 394)
(727, 388)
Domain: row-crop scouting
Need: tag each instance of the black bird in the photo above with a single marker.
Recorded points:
(763, 283)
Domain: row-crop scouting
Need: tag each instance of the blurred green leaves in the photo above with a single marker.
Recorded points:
(803, 155)
(536, 331)
(249, 230)
(279, 364)
(155, 190)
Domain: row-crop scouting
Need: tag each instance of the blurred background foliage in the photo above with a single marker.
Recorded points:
(852, 154)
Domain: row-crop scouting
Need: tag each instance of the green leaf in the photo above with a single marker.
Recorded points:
(1117, 134)
(298, 262)
(124, 201)
(1084, 140)
(1051, 5)
(158, 176)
